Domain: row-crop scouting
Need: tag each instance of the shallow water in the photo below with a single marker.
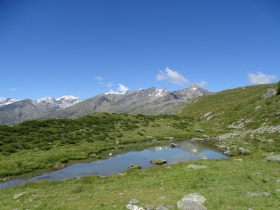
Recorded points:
(116, 164)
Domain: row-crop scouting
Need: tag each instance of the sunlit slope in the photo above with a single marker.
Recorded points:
(244, 106)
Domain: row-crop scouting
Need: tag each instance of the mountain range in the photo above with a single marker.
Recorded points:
(149, 101)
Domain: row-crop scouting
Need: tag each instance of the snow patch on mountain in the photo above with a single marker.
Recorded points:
(62, 102)
(6, 101)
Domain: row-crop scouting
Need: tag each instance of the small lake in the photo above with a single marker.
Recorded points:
(119, 162)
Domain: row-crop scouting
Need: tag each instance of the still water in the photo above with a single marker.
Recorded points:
(119, 162)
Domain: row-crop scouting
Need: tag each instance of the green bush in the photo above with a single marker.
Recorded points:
(278, 89)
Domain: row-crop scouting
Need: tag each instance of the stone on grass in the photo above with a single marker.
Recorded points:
(190, 205)
(192, 201)
(273, 158)
(193, 166)
(161, 208)
(159, 161)
(16, 196)
(134, 207)
(134, 201)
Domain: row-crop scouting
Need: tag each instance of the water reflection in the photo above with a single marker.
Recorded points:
(186, 151)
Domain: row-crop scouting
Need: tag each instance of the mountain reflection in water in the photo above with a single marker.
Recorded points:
(186, 151)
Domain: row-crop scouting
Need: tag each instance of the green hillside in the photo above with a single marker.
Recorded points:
(225, 110)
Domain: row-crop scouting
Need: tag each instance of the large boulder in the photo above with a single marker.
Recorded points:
(192, 201)
(269, 92)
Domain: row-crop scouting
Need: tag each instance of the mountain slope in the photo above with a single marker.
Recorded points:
(14, 111)
(244, 108)
(150, 101)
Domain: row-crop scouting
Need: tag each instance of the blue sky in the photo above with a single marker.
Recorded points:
(87, 47)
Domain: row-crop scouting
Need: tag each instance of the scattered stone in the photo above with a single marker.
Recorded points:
(170, 207)
(161, 208)
(238, 159)
(193, 166)
(149, 137)
(265, 180)
(132, 166)
(134, 201)
(134, 207)
(158, 161)
(273, 158)
(173, 145)
(270, 140)
(16, 196)
(204, 158)
(269, 92)
(244, 151)
(155, 141)
(197, 139)
(266, 193)
(223, 147)
(190, 205)
(251, 194)
(199, 130)
(227, 152)
(278, 180)
(58, 166)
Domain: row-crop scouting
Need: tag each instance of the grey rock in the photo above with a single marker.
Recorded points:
(269, 92)
(134, 207)
(192, 201)
(270, 140)
(265, 180)
(190, 205)
(243, 151)
(266, 193)
(193, 166)
(278, 180)
(134, 201)
(273, 158)
(227, 152)
(174, 145)
(198, 139)
(199, 130)
(16, 196)
(161, 208)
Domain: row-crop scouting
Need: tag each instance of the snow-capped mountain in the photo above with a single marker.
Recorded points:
(14, 111)
(6, 101)
(62, 102)
(148, 101)
(142, 101)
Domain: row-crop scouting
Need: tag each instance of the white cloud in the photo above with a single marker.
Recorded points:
(202, 83)
(110, 84)
(13, 89)
(100, 79)
(260, 78)
(172, 76)
(122, 88)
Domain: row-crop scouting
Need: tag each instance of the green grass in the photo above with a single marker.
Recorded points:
(224, 183)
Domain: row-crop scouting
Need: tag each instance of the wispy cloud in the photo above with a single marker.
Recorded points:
(202, 83)
(172, 76)
(260, 78)
(100, 79)
(110, 84)
(122, 88)
(13, 89)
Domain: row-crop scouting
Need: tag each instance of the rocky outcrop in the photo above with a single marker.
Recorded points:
(269, 92)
